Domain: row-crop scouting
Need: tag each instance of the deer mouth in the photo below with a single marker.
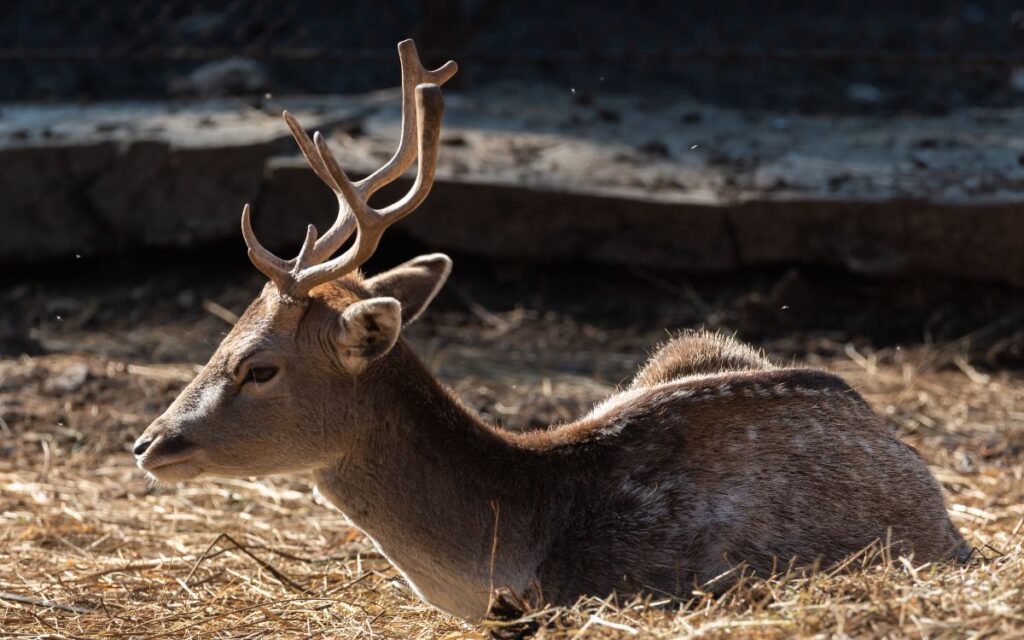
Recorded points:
(172, 469)
(169, 458)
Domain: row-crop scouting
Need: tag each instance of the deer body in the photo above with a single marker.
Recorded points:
(657, 493)
(711, 458)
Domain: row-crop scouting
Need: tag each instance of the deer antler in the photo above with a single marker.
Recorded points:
(421, 94)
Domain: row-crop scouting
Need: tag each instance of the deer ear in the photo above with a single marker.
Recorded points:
(367, 330)
(414, 283)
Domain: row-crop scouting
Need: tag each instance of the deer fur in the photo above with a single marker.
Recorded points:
(710, 459)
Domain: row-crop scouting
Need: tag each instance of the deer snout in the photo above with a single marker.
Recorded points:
(141, 444)
(165, 452)
(164, 445)
(168, 444)
(153, 432)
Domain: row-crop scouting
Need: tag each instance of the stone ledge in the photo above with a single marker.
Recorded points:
(103, 179)
(882, 237)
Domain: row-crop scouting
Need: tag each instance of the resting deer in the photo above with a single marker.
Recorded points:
(712, 457)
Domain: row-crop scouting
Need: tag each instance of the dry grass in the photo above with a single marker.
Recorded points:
(88, 549)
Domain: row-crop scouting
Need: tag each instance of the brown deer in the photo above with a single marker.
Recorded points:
(711, 459)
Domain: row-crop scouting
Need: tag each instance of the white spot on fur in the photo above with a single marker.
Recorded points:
(206, 399)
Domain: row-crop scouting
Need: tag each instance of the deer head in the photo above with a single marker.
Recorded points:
(317, 327)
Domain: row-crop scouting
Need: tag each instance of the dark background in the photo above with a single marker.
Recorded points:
(808, 56)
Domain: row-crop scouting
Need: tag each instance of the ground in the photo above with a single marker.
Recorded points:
(91, 549)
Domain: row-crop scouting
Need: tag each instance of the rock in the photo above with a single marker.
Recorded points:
(655, 149)
(15, 341)
(864, 94)
(231, 77)
(41, 215)
(156, 194)
(851, 193)
(70, 379)
(551, 224)
(293, 197)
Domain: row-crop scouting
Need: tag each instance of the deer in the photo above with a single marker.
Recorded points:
(710, 459)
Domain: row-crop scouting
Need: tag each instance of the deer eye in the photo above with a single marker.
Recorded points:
(260, 374)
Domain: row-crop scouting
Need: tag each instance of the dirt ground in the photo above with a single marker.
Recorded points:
(89, 356)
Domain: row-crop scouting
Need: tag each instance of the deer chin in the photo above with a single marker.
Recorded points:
(173, 468)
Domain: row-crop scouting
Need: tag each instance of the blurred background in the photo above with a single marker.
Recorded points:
(839, 183)
(814, 57)
(718, 140)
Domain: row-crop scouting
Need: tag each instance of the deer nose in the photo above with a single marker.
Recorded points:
(142, 444)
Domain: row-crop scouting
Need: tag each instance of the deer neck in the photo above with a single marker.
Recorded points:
(428, 480)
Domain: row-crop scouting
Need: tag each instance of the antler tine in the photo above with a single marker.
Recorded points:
(429, 113)
(371, 223)
(308, 150)
(422, 112)
(413, 75)
(348, 193)
(270, 265)
(343, 224)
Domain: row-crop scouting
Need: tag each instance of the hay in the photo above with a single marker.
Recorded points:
(89, 549)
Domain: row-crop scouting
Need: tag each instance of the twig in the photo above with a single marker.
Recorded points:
(496, 508)
(175, 631)
(61, 635)
(376, 617)
(132, 566)
(290, 556)
(39, 602)
(225, 314)
(350, 583)
(975, 376)
(282, 578)
(618, 626)
(160, 373)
